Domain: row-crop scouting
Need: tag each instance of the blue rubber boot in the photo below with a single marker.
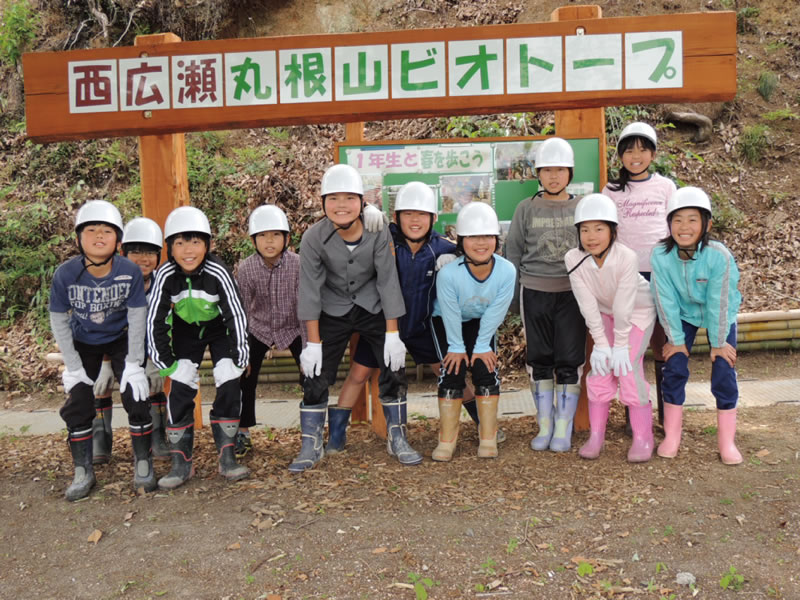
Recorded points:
(567, 395)
(338, 418)
(312, 422)
(542, 391)
(397, 445)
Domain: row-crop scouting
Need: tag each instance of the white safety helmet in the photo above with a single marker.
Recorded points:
(142, 230)
(688, 197)
(416, 195)
(267, 218)
(99, 211)
(554, 152)
(477, 218)
(596, 207)
(638, 129)
(186, 219)
(342, 178)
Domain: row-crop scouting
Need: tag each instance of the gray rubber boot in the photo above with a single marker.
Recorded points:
(224, 431)
(80, 445)
(338, 418)
(102, 433)
(143, 474)
(158, 440)
(312, 422)
(542, 391)
(181, 445)
(397, 445)
(566, 404)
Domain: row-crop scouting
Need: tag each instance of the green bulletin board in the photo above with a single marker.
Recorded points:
(498, 171)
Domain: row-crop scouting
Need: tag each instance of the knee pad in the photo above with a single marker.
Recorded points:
(451, 393)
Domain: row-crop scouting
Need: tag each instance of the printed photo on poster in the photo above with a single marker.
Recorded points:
(459, 190)
(515, 161)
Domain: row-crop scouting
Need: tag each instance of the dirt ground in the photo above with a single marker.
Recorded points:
(525, 525)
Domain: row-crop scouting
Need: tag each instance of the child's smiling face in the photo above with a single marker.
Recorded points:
(189, 254)
(686, 227)
(414, 224)
(342, 208)
(595, 236)
(479, 248)
(636, 159)
(98, 241)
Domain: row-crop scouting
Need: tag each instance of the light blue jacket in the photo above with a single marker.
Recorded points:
(461, 297)
(702, 292)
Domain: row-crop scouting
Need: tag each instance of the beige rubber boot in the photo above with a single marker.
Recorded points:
(487, 427)
(449, 413)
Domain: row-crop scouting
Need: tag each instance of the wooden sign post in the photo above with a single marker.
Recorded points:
(575, 64)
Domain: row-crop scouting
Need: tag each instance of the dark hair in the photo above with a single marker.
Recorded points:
(116, 229)
(285, 237)
(403, 236)
(669, 242)
(571, 173)
(621, 182)
(188, 236)
(612, 226)
(140, 247)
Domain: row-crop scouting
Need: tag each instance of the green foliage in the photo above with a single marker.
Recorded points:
(618, 117)
(421, 585)
(767, 84)
(28, 240)
(474, 127)
(732, 580)
(727, 217)
(17, 30)
(584, 569)
(753, 142)
(782, 114)
(512, 545)
(745, 17)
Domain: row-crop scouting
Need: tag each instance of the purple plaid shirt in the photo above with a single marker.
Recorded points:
(270, 299)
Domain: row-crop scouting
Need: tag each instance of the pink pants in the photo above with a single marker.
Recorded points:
(633, 387)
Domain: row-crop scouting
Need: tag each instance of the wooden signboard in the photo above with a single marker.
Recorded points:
(228, 84)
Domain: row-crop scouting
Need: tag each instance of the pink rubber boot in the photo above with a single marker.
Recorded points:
(726, 430)
(598, 417)
(642, 425)
(673, 423)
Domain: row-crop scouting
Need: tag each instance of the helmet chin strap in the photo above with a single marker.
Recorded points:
(346, 227)
(468, 260)
(639, 173)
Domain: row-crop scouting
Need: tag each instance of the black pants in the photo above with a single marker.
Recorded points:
(258, 350)
(482, 378)
(335, 333)
(180, 402)
(79, 411)
(555, 335)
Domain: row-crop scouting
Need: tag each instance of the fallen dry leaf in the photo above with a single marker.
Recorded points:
(95, 537)
(234, 546)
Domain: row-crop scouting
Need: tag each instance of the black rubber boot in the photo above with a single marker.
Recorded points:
(143, 474)
(224, 431)
(158, 439)
(80, 445)
(338, 418)
(312, 422)
(395, 412)
(181, 444)
(102, 434)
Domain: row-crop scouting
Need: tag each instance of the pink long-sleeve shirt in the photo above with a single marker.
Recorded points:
(642, 210)
(615, 289)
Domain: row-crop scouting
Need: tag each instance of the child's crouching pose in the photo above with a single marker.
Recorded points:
(195, 304)
(97, 309)
(348, 284)
(473, 294)
(694, 283)
(616, 303)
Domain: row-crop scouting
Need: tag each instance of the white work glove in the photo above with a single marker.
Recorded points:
(154, 378)
(444, 259)
(225, 371)
(104, 381)
(600, 360)
(72, 378)
(311, 359)
(621, 362)
(374, 218)
(394, 351)
(186, 373)
(133, 374)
